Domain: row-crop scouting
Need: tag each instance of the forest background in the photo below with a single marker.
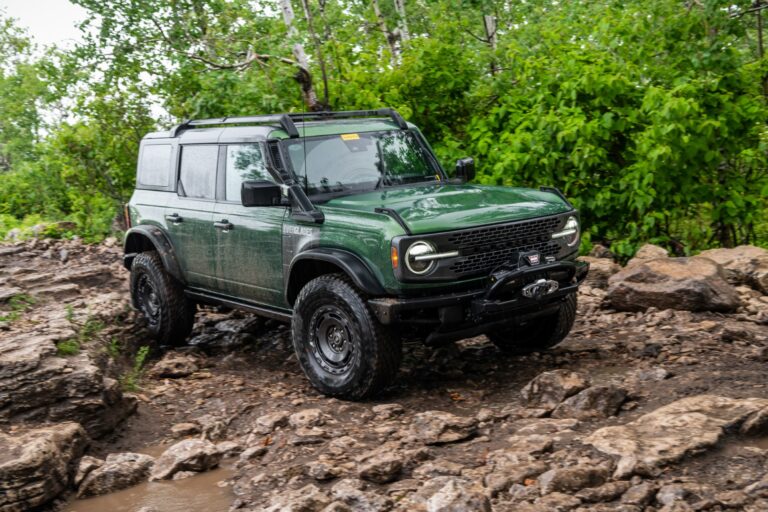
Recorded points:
(650, 115)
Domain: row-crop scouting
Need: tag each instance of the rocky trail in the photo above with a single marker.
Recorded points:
(642, 408)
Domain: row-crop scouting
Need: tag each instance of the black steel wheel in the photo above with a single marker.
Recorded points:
(341, 347)
(538, 334)
(161, 300)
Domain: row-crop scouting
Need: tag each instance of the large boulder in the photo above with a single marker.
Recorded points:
(691, 284)
(36, 466)
(671, 432)
(648, 252)
(188, 455)
(548, 389)
(745, 264)
(37, 385)
(119, 471)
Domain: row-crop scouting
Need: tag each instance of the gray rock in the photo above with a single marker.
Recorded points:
(36, 384)
(691, 284)
(119, 471)
(533, 444)
(322, 471)
(185, 429)
(188, 455)
(438, 427)
(745, 264)
(458, 495)
(85, 466)
(174, 365)
(353, 493)
(269, 422)
(592, 403)
(640, 494)
(668, 494)
(669, 433)
(381, 468)
(437, 467)
(387, 411)
(8, 292)
(558, 502)
(548, 389)
(37, 465)
(606, 492)
(572, 479)
(307, 418)
(308, 498)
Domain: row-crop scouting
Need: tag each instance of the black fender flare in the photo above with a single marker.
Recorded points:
(135, 243)
(360, 274)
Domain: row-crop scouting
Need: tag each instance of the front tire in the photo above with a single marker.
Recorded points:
(341, 347)
(161, 300)
(538, 334)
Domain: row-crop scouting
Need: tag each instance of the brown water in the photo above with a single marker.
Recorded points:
(199, 493)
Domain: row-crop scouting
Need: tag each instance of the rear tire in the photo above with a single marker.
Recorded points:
(540, 333)
(341, 347)
(160, 299)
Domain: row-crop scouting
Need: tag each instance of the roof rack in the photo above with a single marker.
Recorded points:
(286, 121)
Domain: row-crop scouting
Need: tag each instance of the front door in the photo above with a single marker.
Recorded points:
(189, 215)
(248, 240)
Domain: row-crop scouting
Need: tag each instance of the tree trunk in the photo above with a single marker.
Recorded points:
(303, 76)
(402, 24)
(391, 37)
(489, 23)
(318, 50)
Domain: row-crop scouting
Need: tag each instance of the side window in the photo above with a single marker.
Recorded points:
(155, 165)
(198, 171)
(244, 162)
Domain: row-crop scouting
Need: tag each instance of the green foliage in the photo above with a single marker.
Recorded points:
(649, 114)
(85, 332)
(15, 308)
(130, 381)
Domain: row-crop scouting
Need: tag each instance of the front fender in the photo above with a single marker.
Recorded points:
(151, 238)
(352, 265)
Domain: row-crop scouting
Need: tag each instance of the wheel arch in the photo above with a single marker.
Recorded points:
(144, 238)
(320, 261)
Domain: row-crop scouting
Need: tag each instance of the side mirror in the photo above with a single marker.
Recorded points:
(260, 193)
(465, 169)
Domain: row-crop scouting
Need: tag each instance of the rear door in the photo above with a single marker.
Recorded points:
(189, 214)
(248, 240)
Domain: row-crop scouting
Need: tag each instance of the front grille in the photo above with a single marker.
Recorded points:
(483, 249)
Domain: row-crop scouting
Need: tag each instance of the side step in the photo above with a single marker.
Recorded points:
(217, 300)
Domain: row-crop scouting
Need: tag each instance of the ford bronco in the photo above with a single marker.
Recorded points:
(345, 225)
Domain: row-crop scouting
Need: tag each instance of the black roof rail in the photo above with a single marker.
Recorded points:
(286, 121)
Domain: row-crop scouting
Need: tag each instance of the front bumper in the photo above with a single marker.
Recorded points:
(514, 293)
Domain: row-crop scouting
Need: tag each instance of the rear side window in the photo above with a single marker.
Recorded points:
(244, 162)
(198, 171)
(155, 165)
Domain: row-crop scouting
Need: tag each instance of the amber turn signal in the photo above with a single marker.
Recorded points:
(395, 257)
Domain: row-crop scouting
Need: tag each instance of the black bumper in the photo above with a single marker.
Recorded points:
(514, 293)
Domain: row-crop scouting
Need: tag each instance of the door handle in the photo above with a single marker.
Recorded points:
(223, 225)
(174, 218)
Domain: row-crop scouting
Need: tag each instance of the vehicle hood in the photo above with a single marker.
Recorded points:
(433, 208)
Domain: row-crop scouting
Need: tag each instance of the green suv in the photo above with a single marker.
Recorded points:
(345, 225)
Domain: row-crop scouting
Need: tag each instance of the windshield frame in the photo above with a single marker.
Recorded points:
(431, 162)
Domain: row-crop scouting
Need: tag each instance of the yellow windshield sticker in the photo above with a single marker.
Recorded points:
(350, 136)
(437, 177)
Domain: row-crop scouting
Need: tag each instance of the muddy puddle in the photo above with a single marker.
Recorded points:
(201, 493)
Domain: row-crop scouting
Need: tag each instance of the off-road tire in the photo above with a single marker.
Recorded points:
(171, 321)
(538, 334)
(332, 320)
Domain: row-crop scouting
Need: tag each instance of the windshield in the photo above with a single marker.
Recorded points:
(359, 162)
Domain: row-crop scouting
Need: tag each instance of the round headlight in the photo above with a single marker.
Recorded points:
(569, 233)
(416, 264)
(571, 225)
